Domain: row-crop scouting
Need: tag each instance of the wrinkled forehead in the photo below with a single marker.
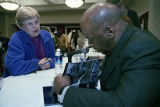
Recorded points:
(86, 27)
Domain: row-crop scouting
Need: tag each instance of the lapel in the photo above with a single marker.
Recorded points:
(113, 61)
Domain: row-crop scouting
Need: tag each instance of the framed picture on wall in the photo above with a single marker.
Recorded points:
(144, 20)
(71, 28)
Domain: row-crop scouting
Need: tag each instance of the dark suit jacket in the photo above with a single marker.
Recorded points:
(130, 78)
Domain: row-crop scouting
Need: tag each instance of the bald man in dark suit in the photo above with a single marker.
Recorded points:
(131, 69)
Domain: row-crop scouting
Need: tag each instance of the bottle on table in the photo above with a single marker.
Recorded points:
(58, 59)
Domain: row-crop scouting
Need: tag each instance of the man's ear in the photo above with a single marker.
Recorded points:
(109, 32)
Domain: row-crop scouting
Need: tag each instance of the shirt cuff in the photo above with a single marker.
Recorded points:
(61, 97)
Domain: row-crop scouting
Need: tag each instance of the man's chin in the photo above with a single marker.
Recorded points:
(99, 50)
(103, 51)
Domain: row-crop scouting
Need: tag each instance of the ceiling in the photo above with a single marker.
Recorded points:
(49, 2)
(51, 5)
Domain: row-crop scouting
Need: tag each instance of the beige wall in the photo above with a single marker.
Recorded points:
(60, 16)
(140, 6)
(52, 17)
(154, 17)
(3, 24)
(6, 24)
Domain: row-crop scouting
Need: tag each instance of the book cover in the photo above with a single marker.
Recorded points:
(50, 98)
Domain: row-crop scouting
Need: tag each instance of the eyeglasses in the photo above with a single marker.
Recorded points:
(32, 24)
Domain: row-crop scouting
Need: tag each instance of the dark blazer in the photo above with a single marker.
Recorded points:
(130, 78)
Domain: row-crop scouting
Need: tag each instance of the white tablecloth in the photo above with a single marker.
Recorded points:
(27, 90)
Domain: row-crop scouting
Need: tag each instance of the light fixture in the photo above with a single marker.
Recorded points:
(74, 3)
(9, 4)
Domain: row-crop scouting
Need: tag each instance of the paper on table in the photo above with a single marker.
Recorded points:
(1, 82)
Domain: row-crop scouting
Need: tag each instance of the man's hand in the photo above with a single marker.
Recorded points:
(61, 81)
